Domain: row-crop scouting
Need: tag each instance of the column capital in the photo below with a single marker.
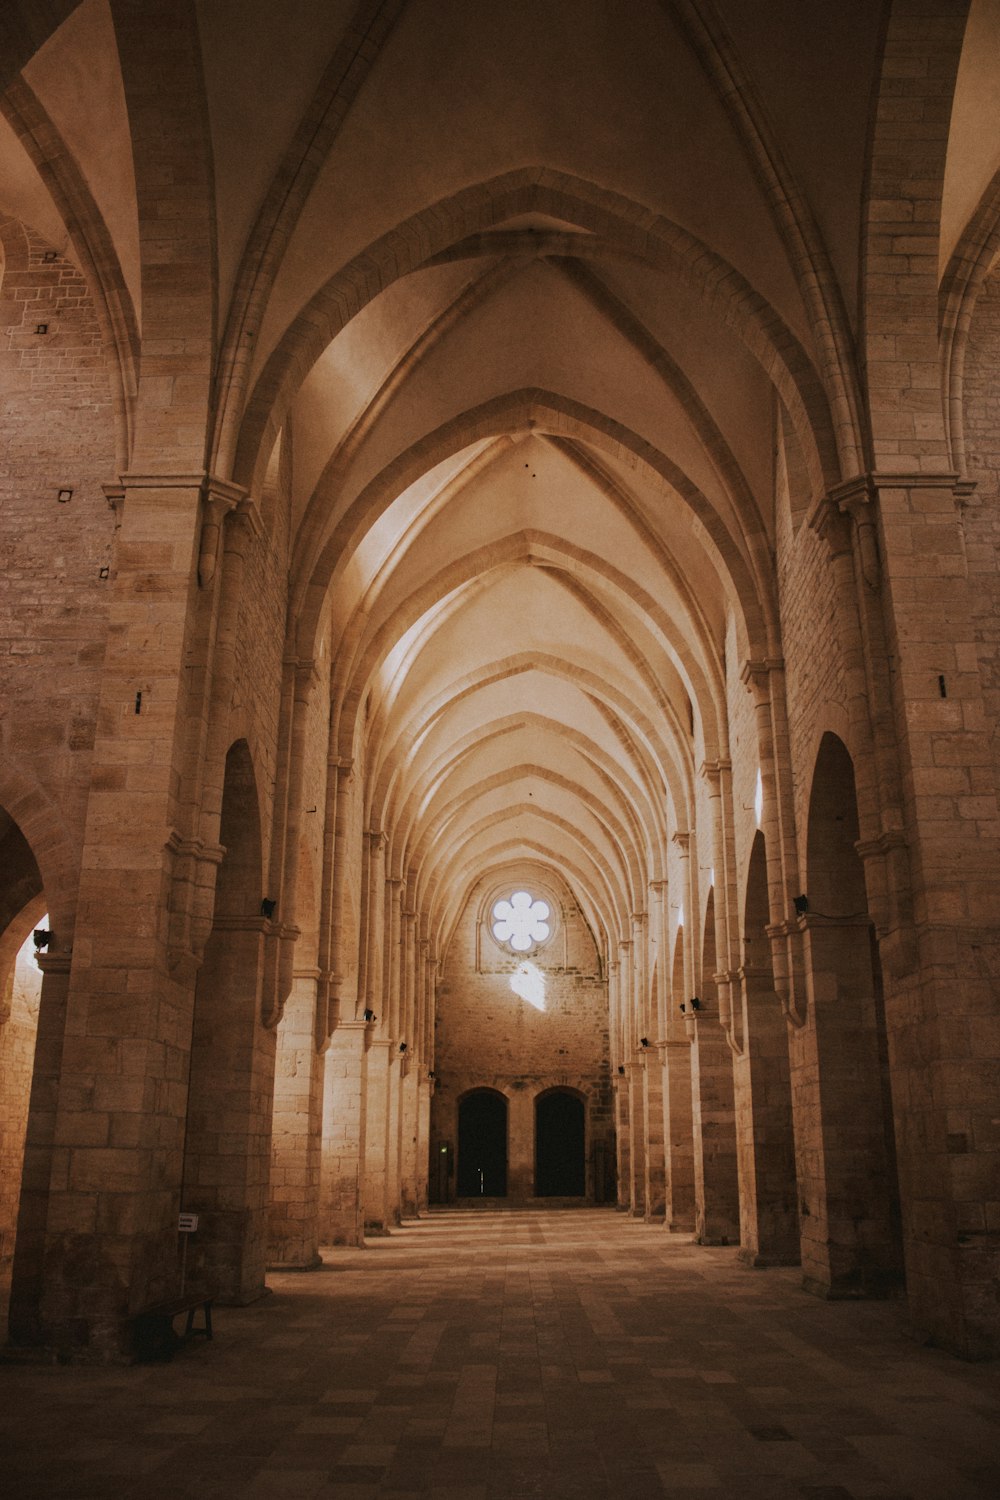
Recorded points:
(682, 838)
(755, 674)
(54, 963)
(711, 770)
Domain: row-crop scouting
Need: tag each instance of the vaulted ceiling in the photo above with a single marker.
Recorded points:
(544, 313)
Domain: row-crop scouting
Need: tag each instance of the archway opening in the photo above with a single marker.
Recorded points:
(560, 1145)
(22, 910)
(482, 1145)
(852, 1238)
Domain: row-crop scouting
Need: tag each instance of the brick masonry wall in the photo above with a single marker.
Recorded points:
(58, 434)
(488, 1037)
(981, 409)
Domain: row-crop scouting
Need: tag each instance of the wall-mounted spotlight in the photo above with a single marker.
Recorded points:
(644, 1041)
(268, 908)
(41, 938)
(431, 1075)
(683, 1008)
(402, 1046)
(370, 1015)
(621, 1071)
(695, 1003)
(801, 904)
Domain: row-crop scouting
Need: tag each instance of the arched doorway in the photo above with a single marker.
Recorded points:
(22, 908)
(482, 1145)
(560, 1145)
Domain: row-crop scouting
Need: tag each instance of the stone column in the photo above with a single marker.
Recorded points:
(677, 1106)
(293, 1216)
(409, 1138)
(425, 1089)
(848, 1247)
(716, 1180)
(769, 1224)
(111, 1234)
(651, 1075)
(393, 1107)
(376, 1124)
(343, 1151)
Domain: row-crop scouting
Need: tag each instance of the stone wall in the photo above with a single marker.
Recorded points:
(487, 1036)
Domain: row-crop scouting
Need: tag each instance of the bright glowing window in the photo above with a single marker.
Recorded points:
(528, 981)
(521, 922)
(758, 799)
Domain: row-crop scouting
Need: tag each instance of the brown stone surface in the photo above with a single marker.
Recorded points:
(573, 1353)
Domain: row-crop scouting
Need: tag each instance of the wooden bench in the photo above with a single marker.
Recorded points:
(153, 1335)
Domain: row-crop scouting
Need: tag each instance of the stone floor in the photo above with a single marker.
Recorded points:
(479, 1355)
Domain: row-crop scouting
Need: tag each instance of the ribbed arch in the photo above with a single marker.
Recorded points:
(545, 412)
(460, 225)
(633, 798)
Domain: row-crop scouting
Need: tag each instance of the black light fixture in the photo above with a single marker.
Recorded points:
(402, 1046)
(267, 908)
(801, 904)
(621, 1070)
(431, 1074)
(683, 1008)
(644, 1041)
(41, 938)
(370, 1015)
(695, 1003)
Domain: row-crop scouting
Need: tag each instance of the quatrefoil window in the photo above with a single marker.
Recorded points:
(521, 922)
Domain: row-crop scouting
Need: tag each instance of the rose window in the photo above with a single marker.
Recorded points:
(521, 922)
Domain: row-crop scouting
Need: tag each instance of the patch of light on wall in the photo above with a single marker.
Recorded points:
(758, 799)
(711, 879)
(528, 981)
(521, 921)
(680, 915)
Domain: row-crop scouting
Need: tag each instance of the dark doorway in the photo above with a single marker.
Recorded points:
(482, 1145)
(559, 1146)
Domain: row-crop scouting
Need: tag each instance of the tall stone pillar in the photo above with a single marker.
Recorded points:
(717, 1211)
(393, 1109)
(425, 1089)
(650, 1074)
(376, 1127)
(623, 1136)
(293, 1215)
(111, 1229)
(716, 1179)
(409, 1138)
(343, 1148)
(929, 841)
(679, 1136)
(678, 1116)
(769, 1223)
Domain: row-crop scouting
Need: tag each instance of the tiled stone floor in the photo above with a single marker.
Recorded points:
(474, 1356)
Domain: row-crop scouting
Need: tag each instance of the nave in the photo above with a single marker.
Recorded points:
(479, 1355)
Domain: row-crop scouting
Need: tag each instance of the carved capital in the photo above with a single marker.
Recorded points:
(756, 673)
